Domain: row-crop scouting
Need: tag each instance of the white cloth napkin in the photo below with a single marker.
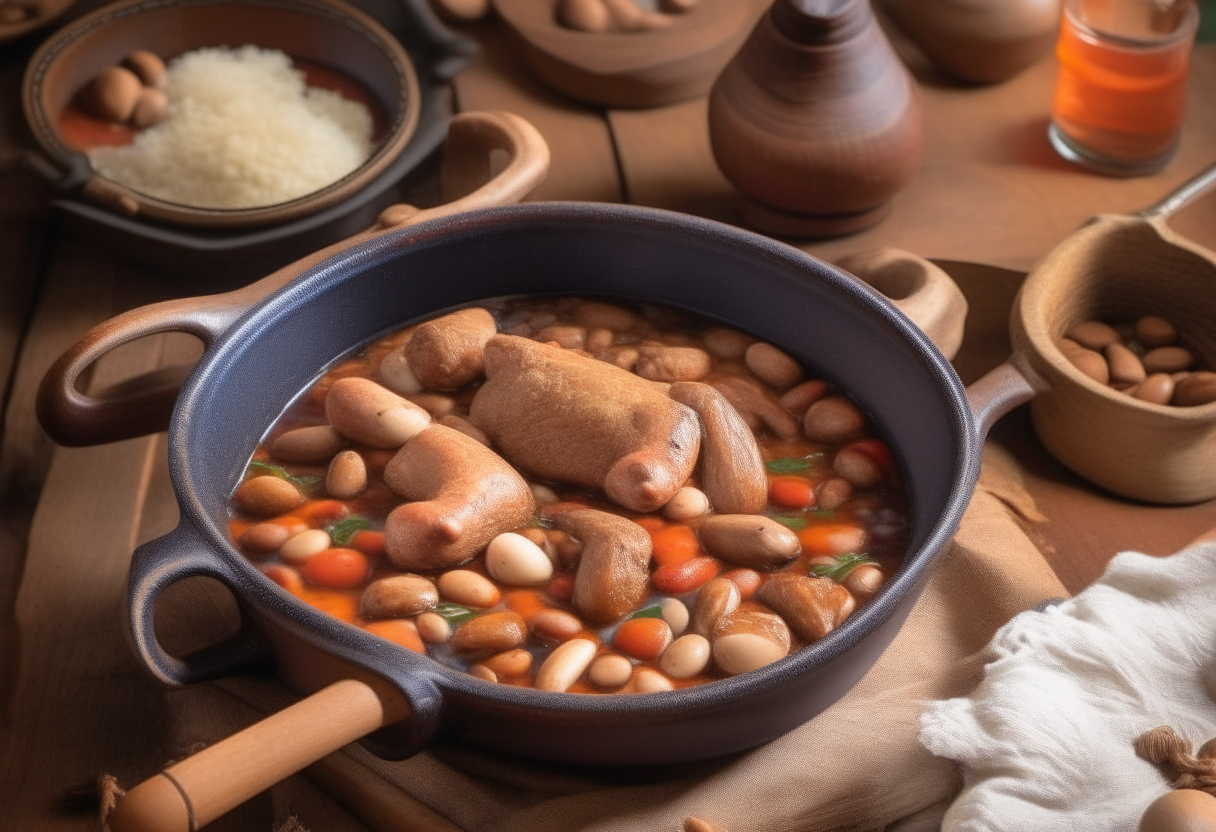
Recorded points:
(1045, 740)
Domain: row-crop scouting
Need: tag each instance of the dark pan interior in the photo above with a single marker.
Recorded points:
(820, 315)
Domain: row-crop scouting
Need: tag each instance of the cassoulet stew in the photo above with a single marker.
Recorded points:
(576, 496)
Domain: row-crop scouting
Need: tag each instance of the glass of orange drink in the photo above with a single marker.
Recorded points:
(1121, 85)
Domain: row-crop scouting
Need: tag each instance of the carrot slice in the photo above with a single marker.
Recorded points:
(832, 538)
(340, 605)
(526, 602)
(368, 542)
(643, 638)
(319, 513)
(791, 492)
(675, 544)
(650, 523)
(399, 631)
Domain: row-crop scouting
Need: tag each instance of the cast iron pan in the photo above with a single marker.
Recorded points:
(257, 360)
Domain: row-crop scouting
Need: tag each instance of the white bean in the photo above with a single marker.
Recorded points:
(310, 445)
(510, 663)
(740, 652)
(514, 560)
(433, 628)
(675, 614)
(686, 657)
(610, 671)
(460, 586)
(304, 545)
(482, 672)
(374, 415)
(599, 340)
(646, 680)
(565, 665)
(772, 366)
(543, 494)
(347, 475)
(266, 496)
(687, 503)
(396, 375)
(555, 626)
(261, 538)
(398, 596)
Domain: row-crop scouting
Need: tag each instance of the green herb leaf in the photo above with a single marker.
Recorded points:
(821, 512)
(653, 611)
(843, 566)
(455, 614)
(307, 483)
(342, 531)
(538, 523)
(791, 521)
(261, 469)
(793, 464)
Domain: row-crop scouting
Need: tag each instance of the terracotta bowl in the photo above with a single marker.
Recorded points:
(632, 69)
(1118, 268)
(327, 32)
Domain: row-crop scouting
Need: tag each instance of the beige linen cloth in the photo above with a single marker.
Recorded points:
(857, 766)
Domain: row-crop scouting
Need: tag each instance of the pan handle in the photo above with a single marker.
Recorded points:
(192, 793)
(143, 404)
(157, 565)
(999, 391)
(918, 288)
(1182, 196)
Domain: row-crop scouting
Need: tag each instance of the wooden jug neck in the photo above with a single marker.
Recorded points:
(821, 22)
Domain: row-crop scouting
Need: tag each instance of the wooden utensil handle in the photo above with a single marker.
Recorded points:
(143, 404)
(199, 789)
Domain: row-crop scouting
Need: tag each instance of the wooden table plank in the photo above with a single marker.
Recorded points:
(583, 164)
(79, 706)
(990, 190)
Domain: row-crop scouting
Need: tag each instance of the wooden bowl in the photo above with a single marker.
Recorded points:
(632, 69)
(43, 13)
(326, 32)
(1118, 268)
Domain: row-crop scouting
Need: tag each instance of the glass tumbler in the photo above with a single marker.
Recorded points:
(1121, 85)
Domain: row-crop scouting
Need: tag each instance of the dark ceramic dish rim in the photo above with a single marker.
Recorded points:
(362, 649)
(404, 122)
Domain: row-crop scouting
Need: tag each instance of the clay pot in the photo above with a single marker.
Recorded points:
(982, 41)
(816, 120)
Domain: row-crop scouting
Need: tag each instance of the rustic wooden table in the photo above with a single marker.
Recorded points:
(990, 199)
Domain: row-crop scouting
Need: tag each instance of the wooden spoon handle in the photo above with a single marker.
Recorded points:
(192, 793)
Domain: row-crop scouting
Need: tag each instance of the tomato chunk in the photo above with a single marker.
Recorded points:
(336, 568)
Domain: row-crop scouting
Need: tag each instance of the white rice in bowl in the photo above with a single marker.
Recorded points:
(243, 130)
